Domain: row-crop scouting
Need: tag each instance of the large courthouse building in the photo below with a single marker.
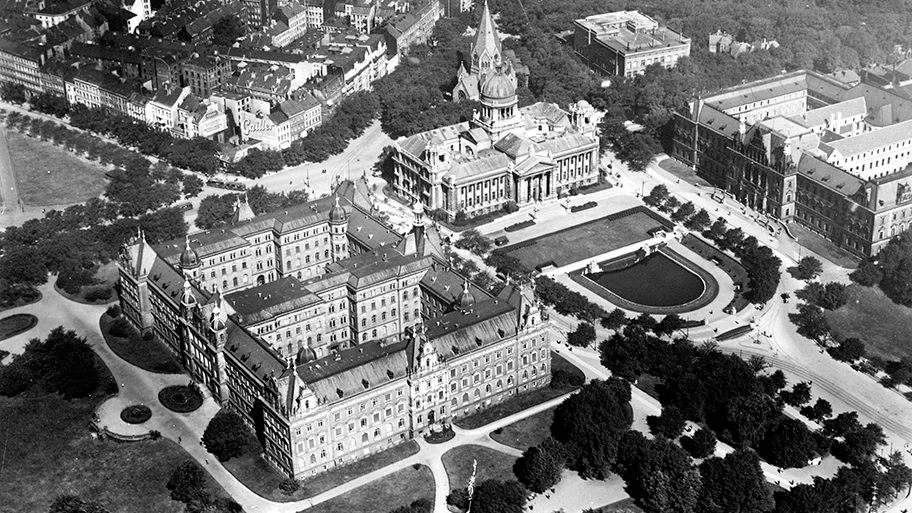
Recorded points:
(505, 153)
(332, 336)
(807, 148)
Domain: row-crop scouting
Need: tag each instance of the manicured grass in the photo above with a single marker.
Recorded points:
(647, 383)
(48, 175)
(49, 451)
(586, 240)
(106, 277)
(522, 401)
(491, 465)
(13, 325)
(527, 432)
(383, 495)
(871, 316)
(263, 480)
(150, 355)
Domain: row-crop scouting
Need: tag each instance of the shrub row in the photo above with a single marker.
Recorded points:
(519, 226)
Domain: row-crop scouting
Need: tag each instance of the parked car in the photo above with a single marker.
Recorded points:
(500, 241)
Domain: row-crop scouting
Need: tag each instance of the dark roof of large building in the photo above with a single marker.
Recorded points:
(829, 175)
(271, 299)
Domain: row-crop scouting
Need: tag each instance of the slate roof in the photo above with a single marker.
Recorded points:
(264, 302)
(374, 363)
(874, 139)
(461, 332)
(829, 175)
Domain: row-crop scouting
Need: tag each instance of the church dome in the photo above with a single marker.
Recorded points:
(306, 355)
(466, 299)
(188, 258)
(498, 87)
(337, 214)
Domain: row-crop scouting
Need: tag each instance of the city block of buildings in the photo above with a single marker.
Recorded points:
(808, 148)
(332, 336)
(626, 42)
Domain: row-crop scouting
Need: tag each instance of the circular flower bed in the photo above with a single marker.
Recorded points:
(438, 437)
(180, 398)
(136, 414)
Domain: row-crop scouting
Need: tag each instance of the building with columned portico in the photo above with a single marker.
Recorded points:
(504, 153)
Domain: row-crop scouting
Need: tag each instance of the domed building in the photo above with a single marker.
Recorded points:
(505, 154)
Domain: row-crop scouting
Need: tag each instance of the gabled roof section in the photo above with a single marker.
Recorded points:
(461, 332)
(422, 240)
(356, 370)
(271, 299)
(829, 175)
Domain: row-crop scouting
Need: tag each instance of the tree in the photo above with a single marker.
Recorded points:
(614, 320)
(589, 424)
(896, 264)
(226, 436)
(859, 445)
(699, 221)
(657, 196)
(798, 396)
(849, 350)
(493, 496)
(74, 504)
(788, 444)
(808, 268)
(734, 483)
(646, 321)
(475, 242)
(663, 480)
(192, 186)
(187, 484)
(227, 30)
(63, 363)
(867, 274)
(13, 93)
(669, 425)
(669, 324)
(215, 211)
(683, 212)
(539, 467)
(811, 321)
(701, 444)
(582, 336)
(821, 410)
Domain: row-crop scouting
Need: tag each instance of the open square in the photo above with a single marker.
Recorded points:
(47, 175)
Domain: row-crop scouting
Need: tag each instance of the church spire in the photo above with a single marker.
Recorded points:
(486, 52)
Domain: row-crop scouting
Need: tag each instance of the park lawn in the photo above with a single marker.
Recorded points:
(526, 432)
(584, 241)
(262, 479)
(518, 403)
(400, 488)
(48, 175)
(492, 464)
(871, 316)
(150, 355)
(49, 451)
(13, 325)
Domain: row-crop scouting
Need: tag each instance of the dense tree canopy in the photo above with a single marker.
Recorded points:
(734, 484)
(227, 436)
(63, 363)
